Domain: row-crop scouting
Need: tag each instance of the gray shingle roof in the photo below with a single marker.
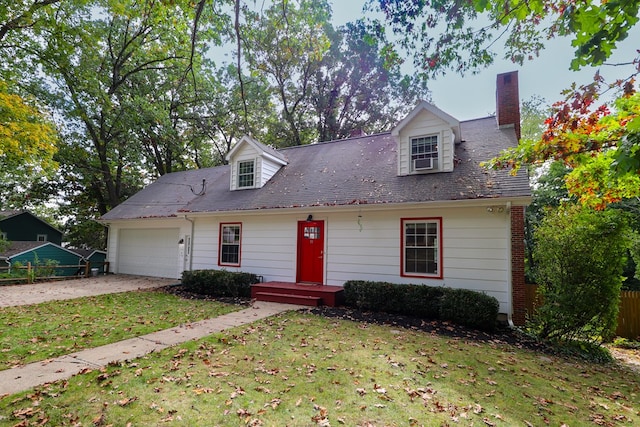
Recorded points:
(18, 247)
(359, 170)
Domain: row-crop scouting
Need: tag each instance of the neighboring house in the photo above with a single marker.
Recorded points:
(95, 257)
(408, 206)
(39, 254)
(17, 225)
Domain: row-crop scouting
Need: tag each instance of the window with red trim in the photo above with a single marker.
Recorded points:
(422, 247)
(229, 248)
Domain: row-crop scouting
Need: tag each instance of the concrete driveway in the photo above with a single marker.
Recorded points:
(12, 295)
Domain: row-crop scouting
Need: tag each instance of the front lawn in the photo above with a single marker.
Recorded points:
(300, 369)
(42, 331)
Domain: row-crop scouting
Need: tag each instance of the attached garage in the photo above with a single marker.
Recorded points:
(149, 252)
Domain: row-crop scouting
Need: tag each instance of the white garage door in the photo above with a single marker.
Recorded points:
(148, 252)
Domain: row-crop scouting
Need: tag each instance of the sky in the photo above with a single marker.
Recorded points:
(473, 96)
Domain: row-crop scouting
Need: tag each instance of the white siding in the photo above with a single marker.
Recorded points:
(426, 123)
(268, 169)
(476, 243)
(268, 245)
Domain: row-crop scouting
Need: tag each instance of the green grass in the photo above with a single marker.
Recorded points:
(42, 331)
(304, 370)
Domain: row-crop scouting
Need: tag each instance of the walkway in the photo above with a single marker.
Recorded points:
(23, 378)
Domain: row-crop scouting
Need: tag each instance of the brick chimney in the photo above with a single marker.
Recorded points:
(508, 101)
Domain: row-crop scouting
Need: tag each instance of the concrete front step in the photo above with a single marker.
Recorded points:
(289, 298)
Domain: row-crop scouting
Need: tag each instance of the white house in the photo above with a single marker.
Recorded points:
(412, 205)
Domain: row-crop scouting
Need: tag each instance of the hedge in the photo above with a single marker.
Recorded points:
(219, 283)
(461, 306)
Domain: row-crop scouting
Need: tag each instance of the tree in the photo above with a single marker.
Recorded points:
(533, 114)
(286, 43)
(123, 79)
(28, 142)
(549, 192)
(325, 82)
(237, 107)
(358, 88)
(580, 254)
(20, 14)
(452, 35)
(602, 148)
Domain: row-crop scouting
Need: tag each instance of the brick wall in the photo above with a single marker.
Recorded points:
(517, 265)
(508, 101)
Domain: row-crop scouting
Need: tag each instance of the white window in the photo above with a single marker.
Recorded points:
(422, 247)
(229, 248)
(41, 238)
(424, 153)
(246, 175)
(3, 235)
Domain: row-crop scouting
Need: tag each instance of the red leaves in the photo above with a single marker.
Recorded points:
(598, 142)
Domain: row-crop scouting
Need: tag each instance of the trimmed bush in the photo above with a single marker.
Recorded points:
(423, 301)
(469, 308)
(461, 306)
(219, 283)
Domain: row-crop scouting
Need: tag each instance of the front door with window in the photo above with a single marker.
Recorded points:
(311, 252)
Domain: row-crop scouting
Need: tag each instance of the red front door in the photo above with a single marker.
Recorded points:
(310, 252)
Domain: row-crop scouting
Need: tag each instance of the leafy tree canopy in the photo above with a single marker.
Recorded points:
(600, 143)
(452, 35)
(27, 144)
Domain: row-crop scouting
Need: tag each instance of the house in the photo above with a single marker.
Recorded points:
(40, 255)
(20, 225)
(94, 257)
(412, 205)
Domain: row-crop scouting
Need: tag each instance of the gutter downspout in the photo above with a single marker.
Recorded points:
(111, 263)
(190, 242)
(510, 269)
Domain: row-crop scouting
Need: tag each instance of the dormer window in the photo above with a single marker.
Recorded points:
(253, 164)
(424, 153)
(426, 141)
(246, 174)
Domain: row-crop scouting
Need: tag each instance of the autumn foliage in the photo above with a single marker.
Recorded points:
(27, 139)
(600, 145)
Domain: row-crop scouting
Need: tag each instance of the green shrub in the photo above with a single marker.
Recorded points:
(423, 301)
(580, 255)
(468, 308)
(45, 268)
(374, 296)
(219, 283)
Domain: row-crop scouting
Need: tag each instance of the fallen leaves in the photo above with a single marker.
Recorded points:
(331, 375)
(126, 401)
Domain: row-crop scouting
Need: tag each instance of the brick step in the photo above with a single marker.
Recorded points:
(289, 298)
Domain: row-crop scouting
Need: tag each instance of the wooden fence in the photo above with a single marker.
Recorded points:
(32, 271)
(628, 316)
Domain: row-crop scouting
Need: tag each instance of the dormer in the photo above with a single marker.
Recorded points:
(252, 164)
(426, 139)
